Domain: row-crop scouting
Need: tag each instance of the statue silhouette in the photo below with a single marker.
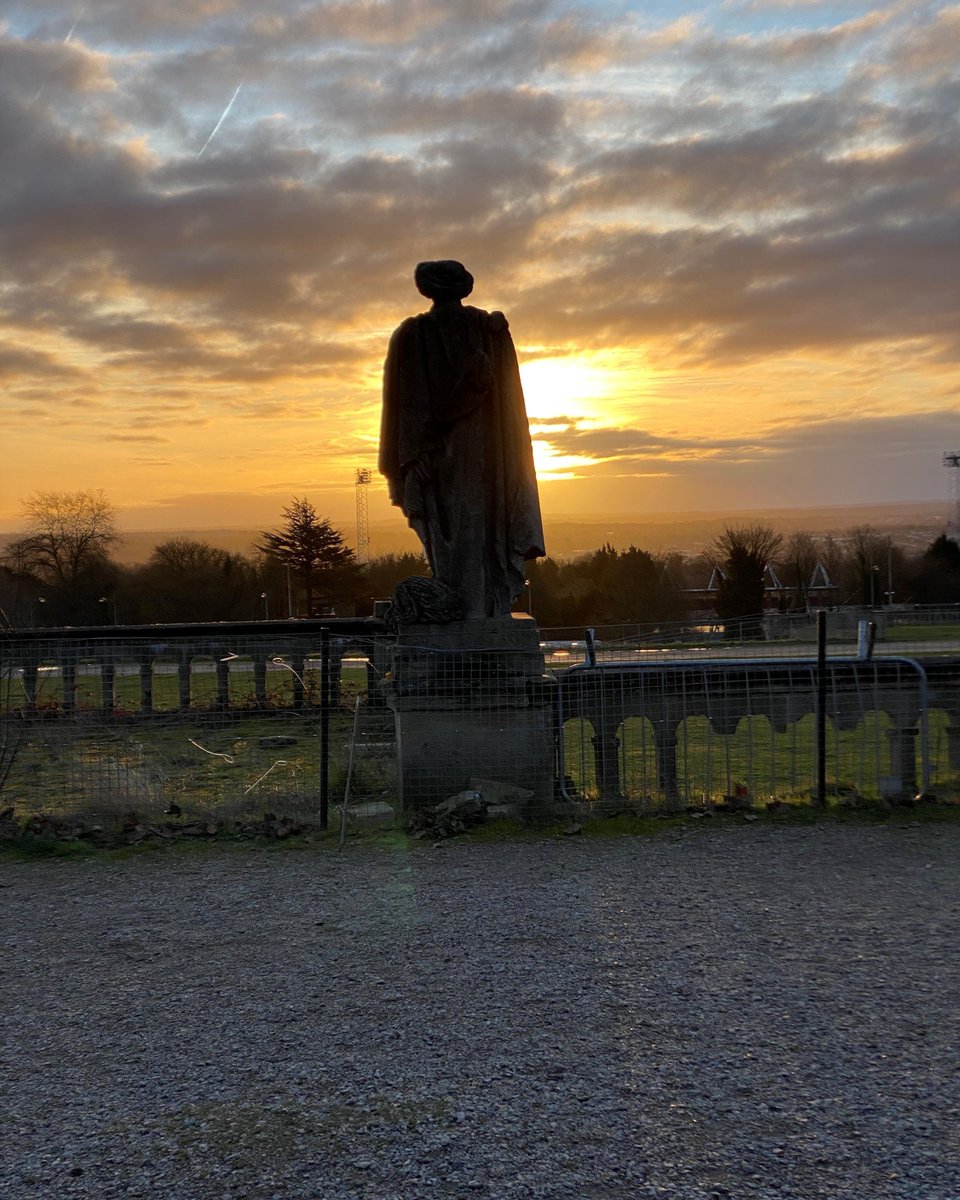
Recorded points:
(455, 445)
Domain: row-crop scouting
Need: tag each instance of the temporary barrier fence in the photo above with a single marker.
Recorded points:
(227, 722)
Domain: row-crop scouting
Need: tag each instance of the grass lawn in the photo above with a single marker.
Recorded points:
(921, 633)
(126, 693)
(767, 764)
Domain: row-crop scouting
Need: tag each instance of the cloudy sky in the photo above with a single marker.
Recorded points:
(725, 234)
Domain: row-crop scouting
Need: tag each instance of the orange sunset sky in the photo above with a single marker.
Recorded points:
(725, 234)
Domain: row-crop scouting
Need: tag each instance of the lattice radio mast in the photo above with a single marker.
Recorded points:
(363, 526)
(951, 459)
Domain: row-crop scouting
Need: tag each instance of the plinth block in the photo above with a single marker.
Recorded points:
(470, 701)
(517, 632)
(441, 751)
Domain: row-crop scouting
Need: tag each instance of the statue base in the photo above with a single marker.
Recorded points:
(473, 710)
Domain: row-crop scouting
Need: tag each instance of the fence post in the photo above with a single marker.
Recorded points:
(146, 679)
(259, 678)
(183, 681)
(324, 727)
(223, 682)
(68, 679)
(822, 708)
(106, 687)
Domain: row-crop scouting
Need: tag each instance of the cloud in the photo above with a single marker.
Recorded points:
(17, 362)
(928, 50)
(264, 236)
(642, 446)
(137, 437)
(839, 439)
(793, 46)
(716, 196)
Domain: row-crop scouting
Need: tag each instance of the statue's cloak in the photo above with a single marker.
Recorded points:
(455, 450)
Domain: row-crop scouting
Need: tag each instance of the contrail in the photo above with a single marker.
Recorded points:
(221, 121)
(73, 29)
(75, 24)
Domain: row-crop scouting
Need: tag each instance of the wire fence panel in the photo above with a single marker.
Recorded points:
(226, 724)
(219, 726)
(682, 733)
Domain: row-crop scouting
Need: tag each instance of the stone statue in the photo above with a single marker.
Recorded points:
(455, 445)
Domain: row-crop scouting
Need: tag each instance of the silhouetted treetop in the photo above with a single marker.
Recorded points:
(319, 560)
(65, 533)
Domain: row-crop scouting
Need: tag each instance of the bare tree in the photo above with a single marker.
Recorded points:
(870, 561)
(833, 556)
(66, 533)
(65, 551)
(189, 580)
(800, 558)
(744, 553)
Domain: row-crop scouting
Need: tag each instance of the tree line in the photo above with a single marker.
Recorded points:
(61, 572)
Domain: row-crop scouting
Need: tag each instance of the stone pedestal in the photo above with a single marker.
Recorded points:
(471, 703)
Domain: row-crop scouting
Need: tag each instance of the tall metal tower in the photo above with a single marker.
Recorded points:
(363, 527)
(951, 459)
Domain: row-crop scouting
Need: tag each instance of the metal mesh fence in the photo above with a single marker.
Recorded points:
(225, 724)
(742, 732)
(220, 726)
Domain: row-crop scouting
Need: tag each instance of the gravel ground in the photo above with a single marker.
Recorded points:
(735, 1012)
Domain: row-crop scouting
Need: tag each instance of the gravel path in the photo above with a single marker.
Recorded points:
(736, 1012)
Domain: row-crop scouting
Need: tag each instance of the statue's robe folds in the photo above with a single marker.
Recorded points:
(455, 450)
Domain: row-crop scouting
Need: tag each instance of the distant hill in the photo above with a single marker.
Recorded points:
(912, 526)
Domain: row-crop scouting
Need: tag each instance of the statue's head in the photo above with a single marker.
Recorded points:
(443, 280)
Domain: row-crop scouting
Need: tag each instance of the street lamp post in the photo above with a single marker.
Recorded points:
(889, 591)
(266, 605)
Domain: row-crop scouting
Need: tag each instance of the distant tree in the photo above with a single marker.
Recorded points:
(799, 561)
(600, 572)
(936, 577)
(321, 564)
(743, 553)
(382, 574)
(872, 558)
(643, 589)
(65, 533)
(945, 552)
(66, 546)
(623, 586)
(671, 602)
(190, 580)
(607, 587)
(542, 596)
(835, 562)
(19, 593)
